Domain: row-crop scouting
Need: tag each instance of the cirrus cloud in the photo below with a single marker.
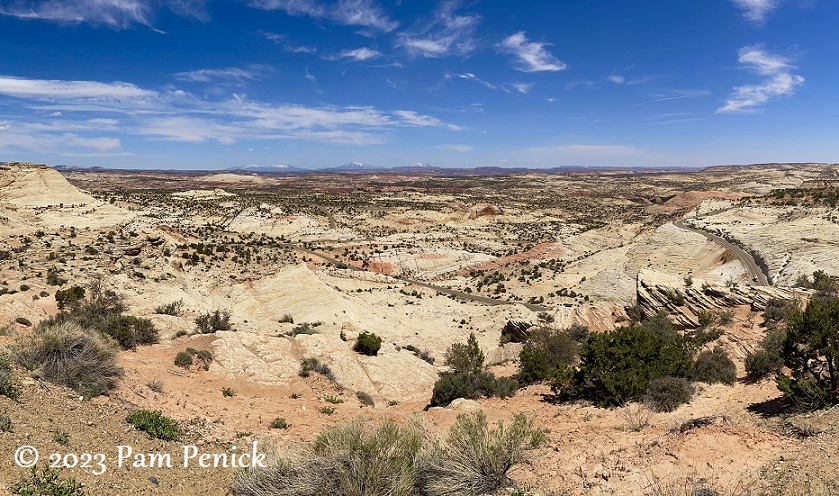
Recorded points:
(531, 56)
(780, 81)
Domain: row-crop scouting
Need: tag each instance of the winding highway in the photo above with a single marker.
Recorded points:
(745, 258)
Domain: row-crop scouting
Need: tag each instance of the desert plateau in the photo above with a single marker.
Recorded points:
(243, 303)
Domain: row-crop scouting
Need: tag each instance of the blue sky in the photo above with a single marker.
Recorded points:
(202, 84)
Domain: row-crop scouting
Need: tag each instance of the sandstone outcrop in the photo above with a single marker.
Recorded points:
(658, 291)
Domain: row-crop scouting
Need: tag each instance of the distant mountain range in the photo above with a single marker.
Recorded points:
(415, 168)
(264, 168)
(358, 166)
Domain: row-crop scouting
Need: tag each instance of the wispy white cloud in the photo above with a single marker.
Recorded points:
(780, 81)
(253, 72)
(616, 79)
(74, 90)
(448, 33)
(531, 56)
(455, 148)
(358, 54)
(180, 116)
(288, 46)
(346, 12)
(309, 76)
(523, 88)
(673, 94)
(470, 77)
(411, 118)
(116, 14)
(757, 11)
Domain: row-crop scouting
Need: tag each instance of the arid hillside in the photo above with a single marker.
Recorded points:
(236, 299)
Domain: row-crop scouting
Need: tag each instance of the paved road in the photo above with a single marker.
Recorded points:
(745, 258)
(454, 292)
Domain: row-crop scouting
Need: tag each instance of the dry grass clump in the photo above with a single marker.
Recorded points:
(692, 485)
(637, 415)
(475, 459)
(356, 459)
(360, 459)
(66, 353)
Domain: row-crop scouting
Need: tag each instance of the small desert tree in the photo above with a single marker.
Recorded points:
(463, 358)
(546, 353)
(811, 351)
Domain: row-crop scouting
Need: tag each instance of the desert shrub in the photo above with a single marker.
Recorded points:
(228, 392)
(129, 331)
(362, 459)
(309, 365)
(5, 423)
(465, 358)
(102, 311)
(660, 324)
(725, 317)
(155, 385)
(364, 398)
(706, 318)
(23, 321)
(304, 328)
(822, 282)
(279, 423)
(332, 399)
(810, 352)
(702, 336)
(210, 322)
(675, 298)
(286, 318)
(637, 415)
(617, 366)
(155, 424)
(46, 483)
(53, 279)
(779, 312)
(421, 354)
(7, 384)
(474, 458)
(357, 459)
(61, 437)
(173, 308)
(694, 484)
(667, 393)
(65, 297)
(545, 352)
(578, 333)
(713, 366)
(296, 474)
(767, 359)
(326, 410)
(70, 355)
(368, 344)
(205, 356)
(183, 359)
(471, 385)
